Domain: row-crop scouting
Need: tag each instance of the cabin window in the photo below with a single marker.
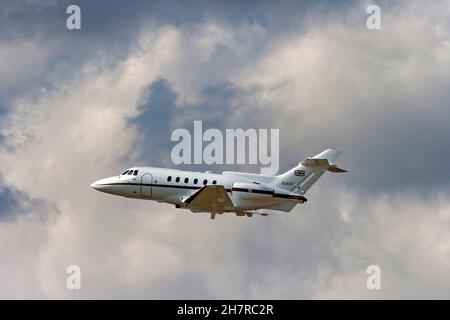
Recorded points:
(214, 182)
(135, 172)
(205, 182)
(169, 178)
(177, 179)
(195, 181)
(186, 180)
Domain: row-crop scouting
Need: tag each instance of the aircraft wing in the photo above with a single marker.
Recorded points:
(210, 198)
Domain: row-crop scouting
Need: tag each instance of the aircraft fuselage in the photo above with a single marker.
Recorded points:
(172, 186)
(237, 192)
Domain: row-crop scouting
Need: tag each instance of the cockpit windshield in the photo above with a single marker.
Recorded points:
(130, 172)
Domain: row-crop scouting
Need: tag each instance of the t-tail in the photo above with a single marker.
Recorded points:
(303, 176)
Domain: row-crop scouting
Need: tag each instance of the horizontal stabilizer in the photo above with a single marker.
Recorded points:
(322, 164)
(317, 163)
(335, 169)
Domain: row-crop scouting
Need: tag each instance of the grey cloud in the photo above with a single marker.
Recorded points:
(110, 29)
(381, 97)
(153, 124)
(9, 206)
(160, 115)
(14, 203)
(381, 102)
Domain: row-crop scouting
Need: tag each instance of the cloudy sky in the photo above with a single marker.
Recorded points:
(80, 105)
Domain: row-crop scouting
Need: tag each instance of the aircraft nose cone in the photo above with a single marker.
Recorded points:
(95, 185)
(104, 185)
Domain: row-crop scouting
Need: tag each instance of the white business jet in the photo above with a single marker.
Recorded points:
(238, 192)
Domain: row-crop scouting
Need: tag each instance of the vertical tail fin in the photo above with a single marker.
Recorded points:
(300, 178)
